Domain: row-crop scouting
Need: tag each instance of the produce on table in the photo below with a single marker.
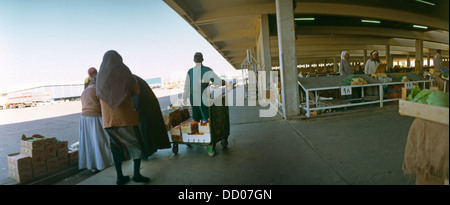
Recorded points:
(438, 98)
(445, 75)
(405, 79)
(430, 97)
(354, 80)
(413, 93)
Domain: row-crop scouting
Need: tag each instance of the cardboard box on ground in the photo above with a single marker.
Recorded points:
(40, 156)
(19, 167)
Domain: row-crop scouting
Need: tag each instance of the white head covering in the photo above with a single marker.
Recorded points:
(374, 59)
(343, 54)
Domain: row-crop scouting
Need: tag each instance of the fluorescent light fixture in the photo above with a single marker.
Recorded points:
(418, 26)
(304, 19)
(425, 2)
(370, 21)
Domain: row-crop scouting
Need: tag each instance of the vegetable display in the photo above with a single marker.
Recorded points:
(430, 97)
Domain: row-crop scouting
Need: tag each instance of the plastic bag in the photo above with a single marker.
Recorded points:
(348, 80)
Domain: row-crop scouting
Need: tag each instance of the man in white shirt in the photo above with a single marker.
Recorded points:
(372, 64)
(197, 81)
(437, 60)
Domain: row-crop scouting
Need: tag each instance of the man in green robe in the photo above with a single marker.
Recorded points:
(196, 89)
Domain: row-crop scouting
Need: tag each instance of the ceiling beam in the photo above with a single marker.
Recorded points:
(228, 13)
(433, 36)
(182, 9)
(231, 31)
(330, 53)
(245, 34)
(376, 12)
(231, 13)
(238, 46)
(303, 40)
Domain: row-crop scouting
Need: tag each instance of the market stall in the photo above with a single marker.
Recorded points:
(440, 79)
(311, 88)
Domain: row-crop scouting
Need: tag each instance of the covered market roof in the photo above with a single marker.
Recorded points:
(323, 27)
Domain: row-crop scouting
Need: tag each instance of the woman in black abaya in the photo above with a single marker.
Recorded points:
(151, 122)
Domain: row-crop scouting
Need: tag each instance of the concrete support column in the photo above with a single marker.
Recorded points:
(428, 60)
(335, 66)
(365, 57)
(264, 40)
(408, 61)
(288, 58)
(419, 55)
(388, 58)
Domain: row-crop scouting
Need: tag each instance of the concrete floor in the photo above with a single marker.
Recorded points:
(362, 147)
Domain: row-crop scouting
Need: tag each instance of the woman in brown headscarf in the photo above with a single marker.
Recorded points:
(115, 88)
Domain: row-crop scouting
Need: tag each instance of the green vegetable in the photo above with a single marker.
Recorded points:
(413, 93)
(348, 80)
(422, 96)
(438, 98)
(430, 97)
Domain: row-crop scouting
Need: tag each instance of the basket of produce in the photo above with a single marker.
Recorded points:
(432, 105)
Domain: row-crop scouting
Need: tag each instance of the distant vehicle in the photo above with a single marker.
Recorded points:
(46, 103)
(2, 103)
(155, 86)
(26, 99)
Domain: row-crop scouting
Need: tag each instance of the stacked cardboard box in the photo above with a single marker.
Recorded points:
(171, 118)
(184, 114)
(49, 152)
(62, 154)
(204, 127)
(174, 117)
(73, 157)
(175, 133)
(20, 167)
(189, 127)
(34, 148)
(39, 156)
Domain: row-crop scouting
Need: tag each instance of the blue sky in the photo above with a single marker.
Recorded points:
(56, 41)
